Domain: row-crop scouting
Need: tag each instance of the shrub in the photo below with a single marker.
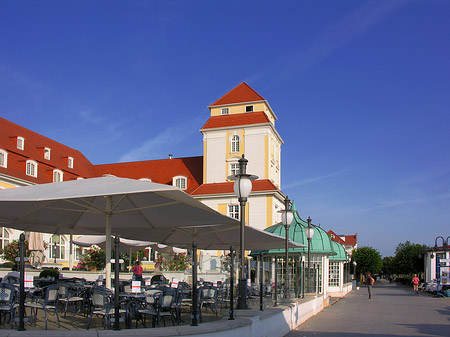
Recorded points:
(49, 272)
(93, 258)
(11, 251)
(172, 262)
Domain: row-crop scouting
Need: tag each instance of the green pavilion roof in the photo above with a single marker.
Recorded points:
(341, 255)
(320, 242)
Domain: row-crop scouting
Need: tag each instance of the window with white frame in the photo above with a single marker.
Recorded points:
(57, 176)
(70, 162)
(3, 158)
(333, 276)
(235, 139)
(57, 247)
(20, 143)
(5, 237)
(32, 168)
(180, 182)
(224, 111)
(77, 252)
(234, 168)
(233, 211)
(47, 153)
(249, 108)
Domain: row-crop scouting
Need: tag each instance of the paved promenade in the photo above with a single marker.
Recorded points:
(394, 311)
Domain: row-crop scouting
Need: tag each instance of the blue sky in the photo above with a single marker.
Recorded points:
(361, 90)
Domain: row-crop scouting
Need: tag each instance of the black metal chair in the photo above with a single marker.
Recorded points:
(69, 294)
(150, 306)
(49, 301)
(103, 305)
(8, 302)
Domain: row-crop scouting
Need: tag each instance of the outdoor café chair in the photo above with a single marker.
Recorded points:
(103, 305)
(166, 304)
(8, 302)
(69, 295)
(149, 307)
(49, 301)
(208, 298)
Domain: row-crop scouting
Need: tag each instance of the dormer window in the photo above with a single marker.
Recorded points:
(249, 108)
(70, 162)
(3, 158)
(32, 168)
(235, 143)
(57, 176)
(180, 182)
(224, 111)
(47, 153)
(20, 143)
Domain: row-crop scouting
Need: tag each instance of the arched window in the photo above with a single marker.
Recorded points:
(47, 153)
(20, 143)
(235, 143)
(57, 176)
(5, 237)
(3, 158)
(57, 247)
(180, 182)
(32, 168)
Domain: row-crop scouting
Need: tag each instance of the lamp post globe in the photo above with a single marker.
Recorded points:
(242, 189)
(287, 216)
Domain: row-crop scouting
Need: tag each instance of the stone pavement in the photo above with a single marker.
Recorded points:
(394, 311)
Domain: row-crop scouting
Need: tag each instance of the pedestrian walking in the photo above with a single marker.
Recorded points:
(370, 281)
(415, 282)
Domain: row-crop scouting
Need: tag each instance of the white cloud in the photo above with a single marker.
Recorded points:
(315, 179)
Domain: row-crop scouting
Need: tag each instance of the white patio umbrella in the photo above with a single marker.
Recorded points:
(108, 205)
(221, 237)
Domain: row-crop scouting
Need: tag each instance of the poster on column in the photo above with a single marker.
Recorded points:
(444, 275)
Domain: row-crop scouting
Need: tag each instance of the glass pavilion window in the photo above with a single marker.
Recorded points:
(57, 250)
(333, 277)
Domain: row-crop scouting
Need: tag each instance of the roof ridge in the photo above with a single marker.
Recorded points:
(240, 94)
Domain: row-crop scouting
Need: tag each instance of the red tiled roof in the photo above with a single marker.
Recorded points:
(248, 118)
(221, 188)
(335, 237)
(34, 145)
(351, 239)
(159, 171)
(240, 94)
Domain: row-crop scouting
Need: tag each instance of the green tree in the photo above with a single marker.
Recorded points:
(409, 259)
(368, 259)
(388, 265)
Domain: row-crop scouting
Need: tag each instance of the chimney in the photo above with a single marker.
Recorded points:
(170, 155)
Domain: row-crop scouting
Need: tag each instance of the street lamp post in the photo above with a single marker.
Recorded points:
(309, 234)
(286, 218)
(54, 251)
(354, 270)
(242, 189)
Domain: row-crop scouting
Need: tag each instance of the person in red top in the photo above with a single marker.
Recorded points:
(415, 282)
(137, 271)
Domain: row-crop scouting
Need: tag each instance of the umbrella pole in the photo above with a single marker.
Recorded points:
(116, 284)
(108, 243)
(194, 285)
(71, 252)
